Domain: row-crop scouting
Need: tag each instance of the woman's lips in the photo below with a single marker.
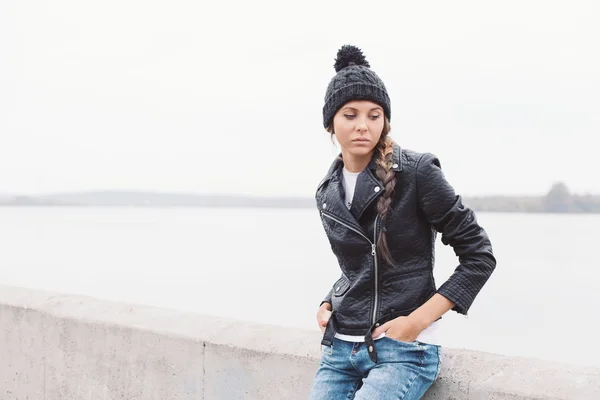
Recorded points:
(361, 141)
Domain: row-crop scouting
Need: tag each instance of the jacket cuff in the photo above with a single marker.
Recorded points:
(461, 297)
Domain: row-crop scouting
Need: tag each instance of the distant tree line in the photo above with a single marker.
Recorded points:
(558, 200)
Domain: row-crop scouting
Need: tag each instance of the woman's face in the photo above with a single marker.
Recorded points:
(357, 127)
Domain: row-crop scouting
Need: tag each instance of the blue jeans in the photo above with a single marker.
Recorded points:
(403, 371)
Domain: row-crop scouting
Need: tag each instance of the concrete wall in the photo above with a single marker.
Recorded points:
(60, 347)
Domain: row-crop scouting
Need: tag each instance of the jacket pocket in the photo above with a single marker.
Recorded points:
(422, 271)
(406, 290)
(341, 286)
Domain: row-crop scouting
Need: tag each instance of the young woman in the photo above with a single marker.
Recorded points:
(381, 207)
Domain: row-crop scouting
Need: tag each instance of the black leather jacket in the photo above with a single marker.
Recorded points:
(369, 291)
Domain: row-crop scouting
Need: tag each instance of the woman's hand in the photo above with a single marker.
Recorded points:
(404, 329)
(323, 316)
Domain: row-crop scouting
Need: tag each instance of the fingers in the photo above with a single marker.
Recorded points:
(323, 318)
(380, 329)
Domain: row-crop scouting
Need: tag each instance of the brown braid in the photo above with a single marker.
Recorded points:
(387, 176)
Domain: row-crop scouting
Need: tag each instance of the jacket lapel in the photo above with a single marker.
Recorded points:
(338, 196)
(369, 187)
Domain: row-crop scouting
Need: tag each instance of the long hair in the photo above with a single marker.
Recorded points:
(387, 176)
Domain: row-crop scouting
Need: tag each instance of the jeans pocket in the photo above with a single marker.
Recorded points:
(414, 343)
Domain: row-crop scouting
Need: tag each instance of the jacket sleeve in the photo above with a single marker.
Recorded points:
(327, 298)
(444, 210)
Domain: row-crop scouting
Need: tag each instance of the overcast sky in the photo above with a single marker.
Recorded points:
(226, 97)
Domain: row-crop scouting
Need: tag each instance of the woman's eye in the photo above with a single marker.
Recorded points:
(349, 116)
(374, 117)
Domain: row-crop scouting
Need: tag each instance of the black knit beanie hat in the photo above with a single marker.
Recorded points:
(354, 81)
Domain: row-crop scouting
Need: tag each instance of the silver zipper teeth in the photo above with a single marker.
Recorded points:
(373, 253)
(346, 225)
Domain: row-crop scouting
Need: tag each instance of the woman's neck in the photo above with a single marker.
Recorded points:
(356, 163)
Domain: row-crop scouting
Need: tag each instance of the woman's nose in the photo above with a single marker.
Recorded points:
(361, 126)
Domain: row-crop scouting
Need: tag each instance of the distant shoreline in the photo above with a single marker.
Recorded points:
(557, 200)
(255, 207)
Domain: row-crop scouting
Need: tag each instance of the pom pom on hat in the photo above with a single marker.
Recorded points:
(349, 55)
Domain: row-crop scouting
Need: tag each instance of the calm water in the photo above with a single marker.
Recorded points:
(274, 266)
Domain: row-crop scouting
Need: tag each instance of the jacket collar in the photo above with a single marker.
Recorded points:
(368, 187)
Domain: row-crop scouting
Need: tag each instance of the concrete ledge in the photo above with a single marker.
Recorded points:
(63, 347)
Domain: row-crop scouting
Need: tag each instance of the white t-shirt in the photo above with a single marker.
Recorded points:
(428, 335)
(349, 183)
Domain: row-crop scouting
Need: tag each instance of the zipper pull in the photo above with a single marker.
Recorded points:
(373, 252)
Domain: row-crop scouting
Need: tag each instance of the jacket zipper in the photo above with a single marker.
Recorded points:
(373, 253)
